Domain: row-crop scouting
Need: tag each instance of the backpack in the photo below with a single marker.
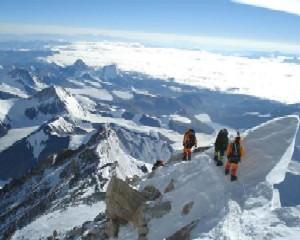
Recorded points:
(235, 152)
(191, 141)
(222, 140)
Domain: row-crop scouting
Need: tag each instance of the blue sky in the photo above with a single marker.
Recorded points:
(214, 18)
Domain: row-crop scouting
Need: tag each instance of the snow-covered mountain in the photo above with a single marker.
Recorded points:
(66, 130)
(195, 200)
(76, 179)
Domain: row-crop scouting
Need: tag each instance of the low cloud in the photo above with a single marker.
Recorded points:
(159, 39)
(266, 77)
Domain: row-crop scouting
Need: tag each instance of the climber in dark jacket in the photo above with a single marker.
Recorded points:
(221, 145)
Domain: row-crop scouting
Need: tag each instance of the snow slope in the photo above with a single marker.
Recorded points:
(14, 135)
(130, 152)
(216, 200)
(61, 221)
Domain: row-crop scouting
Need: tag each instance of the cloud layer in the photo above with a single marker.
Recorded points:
(159, 39)
(266, 77)
(289, 6)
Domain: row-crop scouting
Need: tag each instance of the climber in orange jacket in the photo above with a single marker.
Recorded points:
(235, 152)
(189, 141)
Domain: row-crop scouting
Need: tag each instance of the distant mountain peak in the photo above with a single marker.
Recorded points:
(110, 72)
(53, 100)
(79, 63)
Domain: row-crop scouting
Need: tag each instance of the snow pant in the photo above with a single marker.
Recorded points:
(232, 167)
(219, 157)
(187, 154)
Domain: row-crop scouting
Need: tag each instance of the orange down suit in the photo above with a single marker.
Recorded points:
(232, 162)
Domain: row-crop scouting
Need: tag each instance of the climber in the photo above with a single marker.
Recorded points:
(235, 152)
(189, 141)
(157, 164)
(221, 145)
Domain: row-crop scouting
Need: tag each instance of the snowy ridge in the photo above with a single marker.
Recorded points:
(215, 199)
(134, 159)
(112, 154)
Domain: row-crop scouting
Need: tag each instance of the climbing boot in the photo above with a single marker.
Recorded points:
(233, 178)
(219, 163)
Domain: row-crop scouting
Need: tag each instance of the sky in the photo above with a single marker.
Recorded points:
(260, 21)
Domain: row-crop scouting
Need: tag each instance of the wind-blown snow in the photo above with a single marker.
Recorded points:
(265, 77)
(61, 221)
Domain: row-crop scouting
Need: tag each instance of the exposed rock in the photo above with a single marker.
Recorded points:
(122, 201)
(88, 231)
(100, 217)
(187, 208)
(151, 193)
(143, 230)
(112, 228)
(54, 236)
(170, 186)
(122, 204)
(110, 72)
(125, 204)
(132, 180)
(156, 210)
(76, 231)
(184, 233)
